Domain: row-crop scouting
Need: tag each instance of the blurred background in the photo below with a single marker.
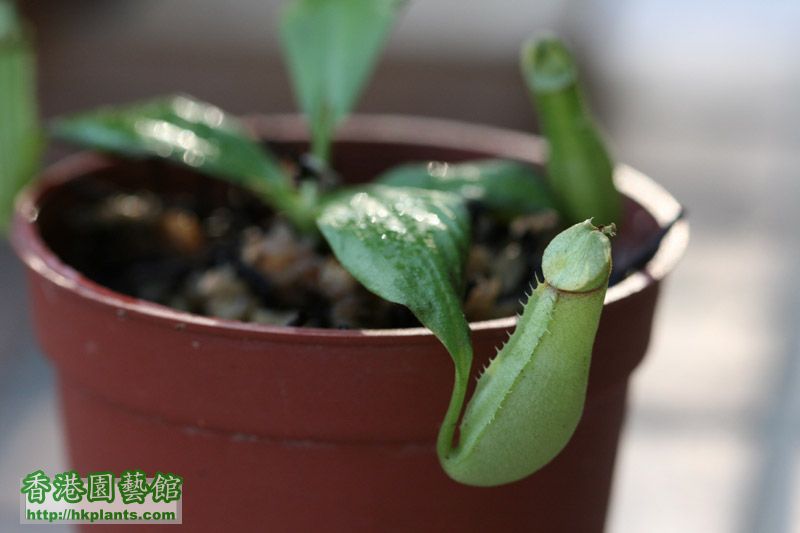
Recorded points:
(702, 96)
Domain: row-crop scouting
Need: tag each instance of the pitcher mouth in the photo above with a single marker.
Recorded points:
(376, 129)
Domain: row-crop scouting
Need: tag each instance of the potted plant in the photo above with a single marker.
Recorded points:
(277, 329)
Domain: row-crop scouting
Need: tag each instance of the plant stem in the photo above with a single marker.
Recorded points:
(321, 145)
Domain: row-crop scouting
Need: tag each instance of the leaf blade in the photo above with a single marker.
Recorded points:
(407, 246)
(21, 141)
(508, 188)
(192, 133)
(330, 48)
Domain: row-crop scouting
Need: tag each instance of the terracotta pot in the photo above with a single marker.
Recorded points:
(293, 429)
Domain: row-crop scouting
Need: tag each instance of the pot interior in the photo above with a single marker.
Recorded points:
(356, 160)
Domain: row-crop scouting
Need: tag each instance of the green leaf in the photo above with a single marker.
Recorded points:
(408, 246)
(192, 133)
(20, 136)
(579, 166)
(9, 19)
(330, 48)
(509, 188)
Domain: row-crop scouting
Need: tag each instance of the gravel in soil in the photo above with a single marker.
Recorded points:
(239, 262)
